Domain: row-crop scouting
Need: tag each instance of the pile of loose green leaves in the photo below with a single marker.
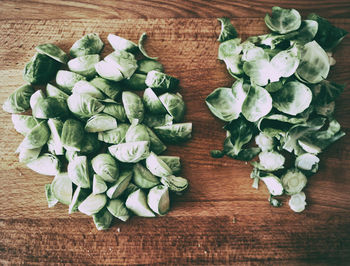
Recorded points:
(281, 97)
(100, 140)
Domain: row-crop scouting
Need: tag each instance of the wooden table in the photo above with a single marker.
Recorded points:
(221, 219)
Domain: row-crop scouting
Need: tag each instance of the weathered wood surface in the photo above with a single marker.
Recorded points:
(221, 219)
(126, 9)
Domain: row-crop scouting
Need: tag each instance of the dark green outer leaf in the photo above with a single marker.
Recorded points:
(328, 36)
(53, 51)
(19, 100)
(160, 82)
(143, 37)
(174, 133)
(147, 65)
(136, 82)
(37, 137)
(241, 131)
(89, 44)
(84, 106)
(40, 69)
(327, 91)
(50, 107)
(116, 110)
(283, 20)
(227, 30)
(111, 88)
(24, 123)
(133, 106)
(72, 134)
(247, 154)
(90, 144)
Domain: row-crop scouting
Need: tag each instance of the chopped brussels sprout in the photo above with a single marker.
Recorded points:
(293, 181)
(89, 44)
(137, 203)
(158, 199)
(297, 202)
(62, 188)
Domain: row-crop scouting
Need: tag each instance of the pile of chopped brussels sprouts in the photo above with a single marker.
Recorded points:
(281, 97)
(100, 140)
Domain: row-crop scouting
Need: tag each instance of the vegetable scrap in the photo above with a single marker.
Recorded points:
(281, 98)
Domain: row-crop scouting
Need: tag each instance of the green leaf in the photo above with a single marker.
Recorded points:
(293, 98)
(283, 20)
(328, 36)
(257, 104)
(19, 100)
(53, 51)
(40, 69)
(142, 38)
(89, 44)
(227, 30)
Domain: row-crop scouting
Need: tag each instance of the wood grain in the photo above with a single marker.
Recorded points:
(126, 9)
(221, 219)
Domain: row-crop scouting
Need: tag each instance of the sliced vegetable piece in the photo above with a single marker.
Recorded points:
(84, 65)
(131, 152)
(93, 204)
(173, 162)
(89, 44)
(152, 103)
(160, 82)
(175, 183)
(121, 44)
(100, 122)
(273, 184)
(23, 124)
(293, 98)
(118, 209)
(40, 69)
(137, 203)
(66, 80)
(62, 188)
(147, 65)
(53, 51)
(102, 219)
(125, 62)
(51, 200)
(78, 171)
(106, 167)
(120, 185)
(293, 181)
(98, 185)
(257, 104)
(297, 202)
(314, 64)
(157, 166)
(45, 164)
(158, 199)
(226, 103)
(114, 136)
(133, 105)
(19, 100)
(80, 194)
(174, 133)
(143, 178)
(72, 135)
(283, 20)
(83, 105)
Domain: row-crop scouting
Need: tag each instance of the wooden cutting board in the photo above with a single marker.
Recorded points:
(221, 219)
